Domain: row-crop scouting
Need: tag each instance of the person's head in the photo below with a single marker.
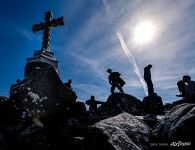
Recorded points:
(186, 78)
(149, 66)
(92, 97)
(109, 70)
(70, 81)
(18, 80)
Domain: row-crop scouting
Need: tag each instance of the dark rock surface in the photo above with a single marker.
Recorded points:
(118, 124)
(151, 120)
(118, 103)
(42, 91)
(153, 105)
(178, 124)
(122, 132)
(76, 109)
(190, 99)
(167, 107)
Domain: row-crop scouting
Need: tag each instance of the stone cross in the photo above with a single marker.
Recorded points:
(46, 26)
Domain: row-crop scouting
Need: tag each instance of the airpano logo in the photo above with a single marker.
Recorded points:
(180, 143)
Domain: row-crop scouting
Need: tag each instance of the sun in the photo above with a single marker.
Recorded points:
(144, 32)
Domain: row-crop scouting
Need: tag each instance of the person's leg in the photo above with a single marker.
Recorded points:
(112, 88)
(150, 86)
(120, 88)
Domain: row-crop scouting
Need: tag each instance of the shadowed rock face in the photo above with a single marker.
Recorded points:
(153, 105)
(123, 131)
(178, 124)
(118, 103)
(42, 91)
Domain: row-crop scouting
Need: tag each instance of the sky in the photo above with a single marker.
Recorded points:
(97, 35)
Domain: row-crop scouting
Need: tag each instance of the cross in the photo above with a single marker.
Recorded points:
(49, 22)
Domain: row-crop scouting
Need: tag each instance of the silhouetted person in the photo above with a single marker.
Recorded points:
(181, 87)
(115, 80)
(93, 103)
(14, 90)
(190, 86)
(189, 91)
(15, 87)
(147, 78)
(68, 84)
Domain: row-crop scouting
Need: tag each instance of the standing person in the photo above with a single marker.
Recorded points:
(68, 84)
(147, 78)
(93, 103)
(115, 80)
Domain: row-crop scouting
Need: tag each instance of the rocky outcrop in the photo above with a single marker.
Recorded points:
(151, 119)
(153, 104)
(189, 99)
(123, 131)
(177, 125)
(3, 98)
(118, 103)
(117, 124)
(42, 91)
(76, 109)
(80, 130)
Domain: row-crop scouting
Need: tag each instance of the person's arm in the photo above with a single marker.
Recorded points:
(99, 102)
(110, 81)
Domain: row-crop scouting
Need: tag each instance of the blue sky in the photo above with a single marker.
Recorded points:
(98, 35)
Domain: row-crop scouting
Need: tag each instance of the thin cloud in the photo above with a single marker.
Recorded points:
(131, 57)
(95, 46)
(86, 90)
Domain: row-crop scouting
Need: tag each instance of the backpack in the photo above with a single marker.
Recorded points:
(117, 74)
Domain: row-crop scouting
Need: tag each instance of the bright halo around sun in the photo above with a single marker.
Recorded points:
(144, 32)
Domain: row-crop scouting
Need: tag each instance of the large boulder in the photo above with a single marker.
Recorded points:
(151, 120)
(153, 104)
(42, 91)
(177, 125)
(118, 103)
(122, 132)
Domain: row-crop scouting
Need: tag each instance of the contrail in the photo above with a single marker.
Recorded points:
(125, 49)
(131, 59)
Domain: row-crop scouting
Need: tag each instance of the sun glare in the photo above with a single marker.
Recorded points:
(144, 32)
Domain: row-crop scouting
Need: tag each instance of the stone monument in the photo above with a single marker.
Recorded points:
(42, 91)
(44, 56)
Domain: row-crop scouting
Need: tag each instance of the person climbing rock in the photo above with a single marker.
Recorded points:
(115, 80)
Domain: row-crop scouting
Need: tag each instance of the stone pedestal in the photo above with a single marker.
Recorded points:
(39, 58)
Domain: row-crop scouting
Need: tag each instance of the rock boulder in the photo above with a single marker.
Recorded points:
(153, 105)
(118, 103)
(42, 91)
(123, 131)
(178, 124)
